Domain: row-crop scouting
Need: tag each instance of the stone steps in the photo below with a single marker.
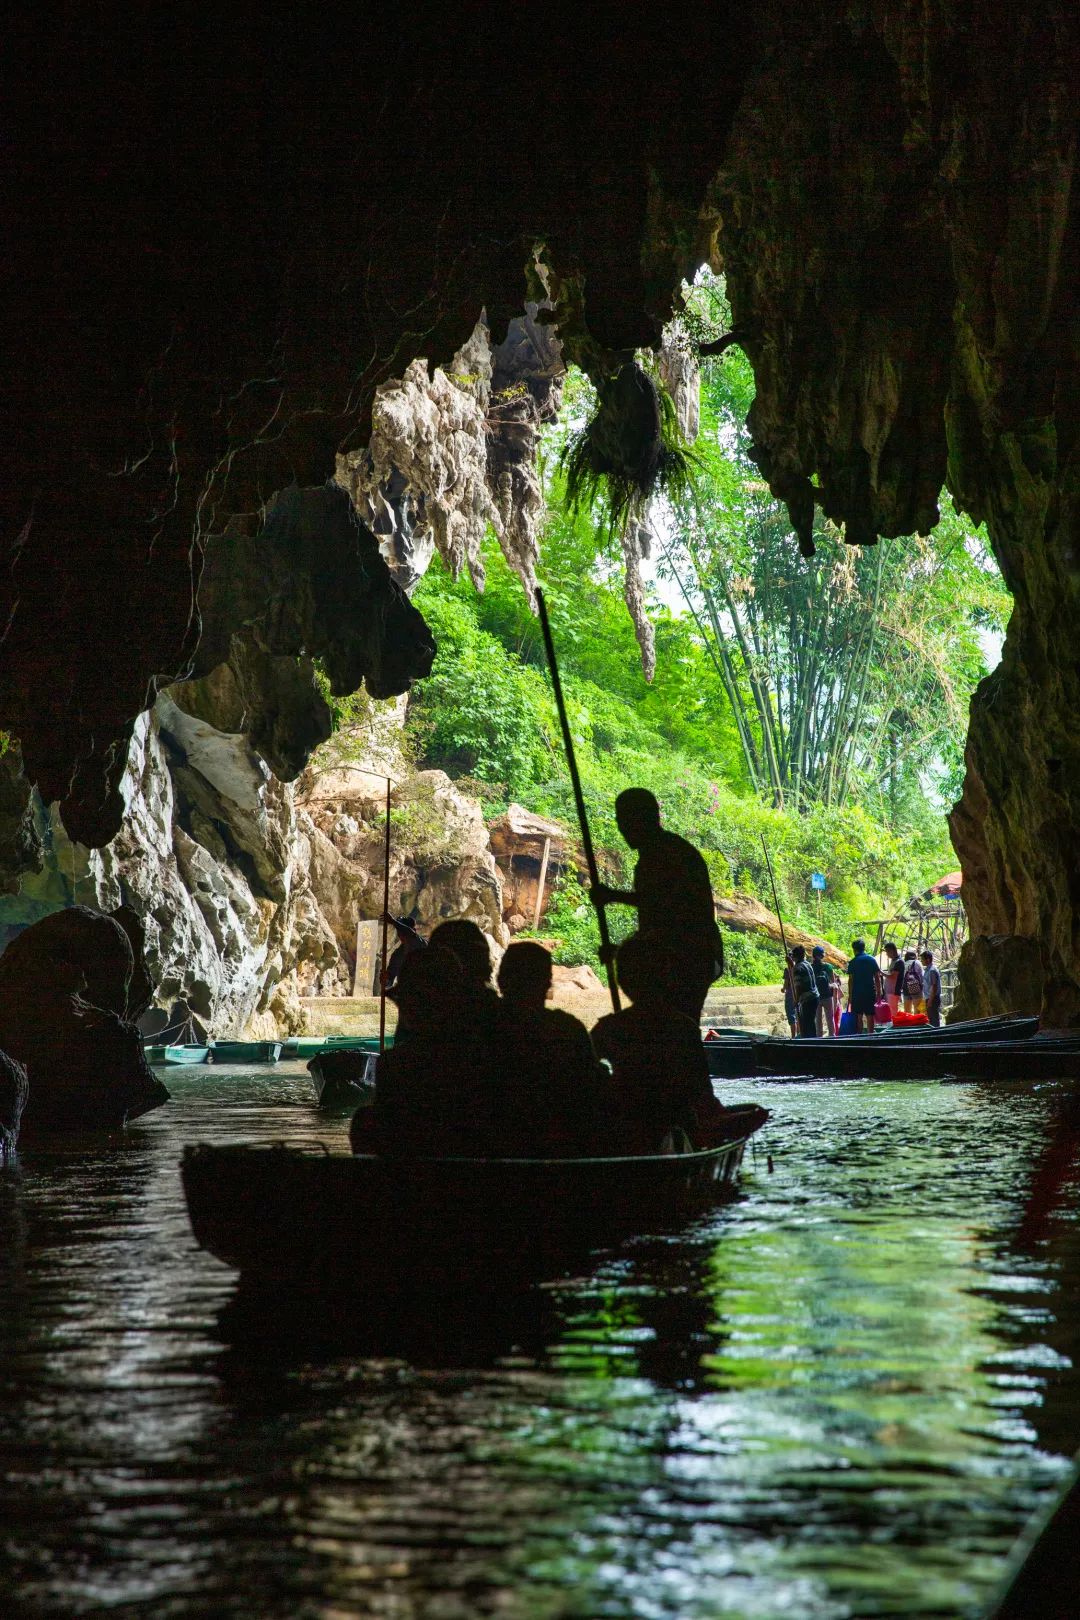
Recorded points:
(756, 1007)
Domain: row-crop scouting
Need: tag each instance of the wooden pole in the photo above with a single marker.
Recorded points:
(579, 801)
(779, 918)
(385, 915)
(540, 886)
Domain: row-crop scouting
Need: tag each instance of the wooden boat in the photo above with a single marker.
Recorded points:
(1044, 1058)
(343, 1081)
(309, 1046)
(1041, 1577)
(245, 1051)
(1003, 1027)
(918, 1053)
(282, 1215)
(177, 1054)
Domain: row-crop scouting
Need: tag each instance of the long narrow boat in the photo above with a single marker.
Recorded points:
(1043, 1058)
(738, 1056)
(309, 1046)
(280, 1215)
(1003, 1027)
(159, 1055)
(245, 1051)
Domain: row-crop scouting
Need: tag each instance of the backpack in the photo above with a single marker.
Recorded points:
(822, 978)
(913, 981)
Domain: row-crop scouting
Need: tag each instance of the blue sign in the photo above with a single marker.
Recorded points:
(817, 880)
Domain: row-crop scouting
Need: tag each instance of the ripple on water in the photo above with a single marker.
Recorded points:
(840, 1396)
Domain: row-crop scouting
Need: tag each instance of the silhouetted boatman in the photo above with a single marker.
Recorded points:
(657, 1058)
(552, 1098)
(408, 941)
(674, 900)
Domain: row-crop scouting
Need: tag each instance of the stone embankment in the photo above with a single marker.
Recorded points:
(750, 1007)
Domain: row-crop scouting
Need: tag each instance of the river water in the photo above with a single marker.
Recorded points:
(841, 1395)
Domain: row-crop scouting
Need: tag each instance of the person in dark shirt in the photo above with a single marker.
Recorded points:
(661, 1076)
(408, 941)
(825, 981)
(791, 1006)
(864, 986)
(806, 992)
(932, 983)
(673, 895)
(432, 1098)
(468, 943)
(552, 1099)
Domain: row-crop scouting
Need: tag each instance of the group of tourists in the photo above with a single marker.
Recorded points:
(478, 1072)
(910, 983)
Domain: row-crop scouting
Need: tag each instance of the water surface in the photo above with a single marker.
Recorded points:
(840, 1396)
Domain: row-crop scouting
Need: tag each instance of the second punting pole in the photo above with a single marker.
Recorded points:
(579, 801)
(385, 922)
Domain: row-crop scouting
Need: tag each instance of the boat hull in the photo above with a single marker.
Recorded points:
(277, 1214)
(159, 1055)
(1045, 1058)
(245, 1052)
(343, 1081)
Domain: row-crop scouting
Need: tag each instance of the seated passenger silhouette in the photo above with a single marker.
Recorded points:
(468, 943)
(551, 1098)
(431, 1094)
(658, 1062)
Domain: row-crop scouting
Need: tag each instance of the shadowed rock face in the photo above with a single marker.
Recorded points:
(199, 321)
(13, 1089)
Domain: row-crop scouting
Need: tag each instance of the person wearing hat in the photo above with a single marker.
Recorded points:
(825, 980)
(409, 941)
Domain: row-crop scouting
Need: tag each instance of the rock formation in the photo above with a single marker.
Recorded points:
(13, 1091)
(240, 247)
(441, 862)
(746, 915)
(518, 842)
(69, 995)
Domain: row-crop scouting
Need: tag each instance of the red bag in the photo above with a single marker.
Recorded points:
(882, 1013)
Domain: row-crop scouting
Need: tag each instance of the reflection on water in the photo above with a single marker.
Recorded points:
(840, 1396)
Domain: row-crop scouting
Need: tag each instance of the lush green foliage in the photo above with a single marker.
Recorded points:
(486, 712)
(883, 646)
(849, 673)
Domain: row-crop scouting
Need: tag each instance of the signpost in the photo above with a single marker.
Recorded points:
(817, 883)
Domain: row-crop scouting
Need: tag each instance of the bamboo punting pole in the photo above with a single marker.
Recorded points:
(385, 918)
(779, 918)
(579, 801)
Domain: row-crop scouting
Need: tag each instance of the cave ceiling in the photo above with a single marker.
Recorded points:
(223, 239)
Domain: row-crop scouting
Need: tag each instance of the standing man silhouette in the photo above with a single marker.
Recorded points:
(673, 897)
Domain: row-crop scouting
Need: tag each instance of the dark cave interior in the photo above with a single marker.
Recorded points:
(220, 244)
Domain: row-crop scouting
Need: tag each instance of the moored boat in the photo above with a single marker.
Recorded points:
(343, 1080)
(245, 1051)
(177, 1054)
(309, 1046)
(1042, 1058)
(279, 1213)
